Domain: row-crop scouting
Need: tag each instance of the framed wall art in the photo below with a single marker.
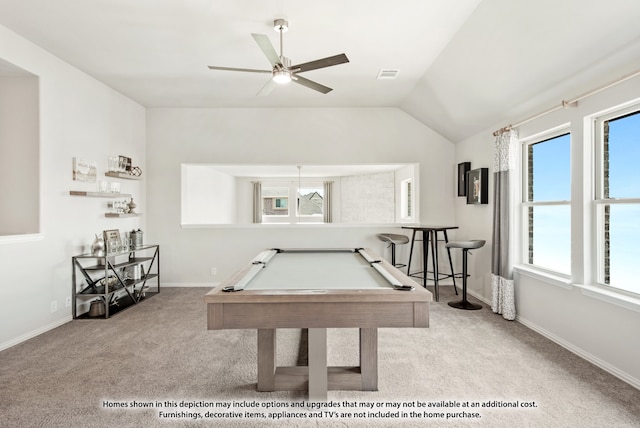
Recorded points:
(463, 168)
(478, 186)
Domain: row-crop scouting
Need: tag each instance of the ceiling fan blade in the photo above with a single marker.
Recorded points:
(267, 88)
(320, 63)
(311, 84)
(267, 48)
(248, 70)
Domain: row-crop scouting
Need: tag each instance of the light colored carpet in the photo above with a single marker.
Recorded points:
(161, 351)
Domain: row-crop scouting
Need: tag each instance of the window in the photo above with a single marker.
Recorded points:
(406, 200)
(308, 197)
(617, 199)
(546, 202)
(311, 201)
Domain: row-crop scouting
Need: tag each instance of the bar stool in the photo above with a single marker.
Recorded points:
(465, 246)
(394, 239)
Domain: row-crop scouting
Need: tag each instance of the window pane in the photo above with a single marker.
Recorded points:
(550, 237)
(622, 142)
(311, 201)
(549, 177)
(624, 235)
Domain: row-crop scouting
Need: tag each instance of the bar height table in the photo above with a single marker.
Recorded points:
(430, 237)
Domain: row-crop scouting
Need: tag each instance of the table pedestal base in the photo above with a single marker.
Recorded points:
(317, 378)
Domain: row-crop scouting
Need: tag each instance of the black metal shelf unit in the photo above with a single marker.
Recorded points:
(120, 280)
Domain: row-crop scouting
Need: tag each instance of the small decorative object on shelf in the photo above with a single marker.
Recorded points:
(136, 238)
(135, 171)
(98, 246)
(119, 163)
(121, 167)
(132, 206)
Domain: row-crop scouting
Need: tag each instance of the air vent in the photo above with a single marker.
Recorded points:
(387, 73)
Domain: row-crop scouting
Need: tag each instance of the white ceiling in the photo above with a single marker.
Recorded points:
(462, 64)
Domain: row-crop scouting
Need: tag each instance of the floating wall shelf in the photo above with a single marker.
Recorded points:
(119, 215)
(99, 194)
(124, 175)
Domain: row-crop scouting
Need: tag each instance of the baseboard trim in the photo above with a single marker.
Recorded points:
(34, 333)
(581, 353)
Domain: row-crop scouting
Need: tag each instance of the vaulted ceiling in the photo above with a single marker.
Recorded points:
(463, 65)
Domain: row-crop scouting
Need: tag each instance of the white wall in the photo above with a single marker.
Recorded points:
(78, 117)
(208, 196)
(279, 136)
(602, 331)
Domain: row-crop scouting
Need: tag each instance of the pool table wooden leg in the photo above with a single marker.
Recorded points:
(369, 358)
(318, 378)
(266, 359)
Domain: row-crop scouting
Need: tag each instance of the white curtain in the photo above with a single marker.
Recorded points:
(328, 196)
(257, 201)
(503, 293)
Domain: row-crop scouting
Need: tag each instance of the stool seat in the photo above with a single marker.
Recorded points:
(469, 245)
(393, 238)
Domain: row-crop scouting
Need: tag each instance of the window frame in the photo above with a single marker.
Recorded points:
(525, 247)
(599, 201)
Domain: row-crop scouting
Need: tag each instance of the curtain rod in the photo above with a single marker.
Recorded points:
(566, 104)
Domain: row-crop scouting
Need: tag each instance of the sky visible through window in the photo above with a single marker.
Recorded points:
(552, 223)
(624, 182)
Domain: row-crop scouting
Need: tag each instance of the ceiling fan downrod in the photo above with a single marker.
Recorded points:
(282, 74)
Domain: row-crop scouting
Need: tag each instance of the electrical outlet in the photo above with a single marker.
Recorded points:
(67, 302)
(214, 271)
(54, 306)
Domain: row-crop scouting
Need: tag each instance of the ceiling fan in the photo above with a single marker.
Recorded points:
(282, 71)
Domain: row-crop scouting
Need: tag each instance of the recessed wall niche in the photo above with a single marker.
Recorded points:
(19, 151)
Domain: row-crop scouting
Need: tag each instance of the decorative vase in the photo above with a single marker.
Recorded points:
(132, 206)
(98, 247)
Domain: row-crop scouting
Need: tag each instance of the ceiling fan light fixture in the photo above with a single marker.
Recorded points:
(282, 76)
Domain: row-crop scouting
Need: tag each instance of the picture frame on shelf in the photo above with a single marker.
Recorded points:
(463, 169)
(112, 240)
(478, 186)
(124, 162)
(85, 170)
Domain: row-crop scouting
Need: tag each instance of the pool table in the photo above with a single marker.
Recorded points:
(317, 289)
